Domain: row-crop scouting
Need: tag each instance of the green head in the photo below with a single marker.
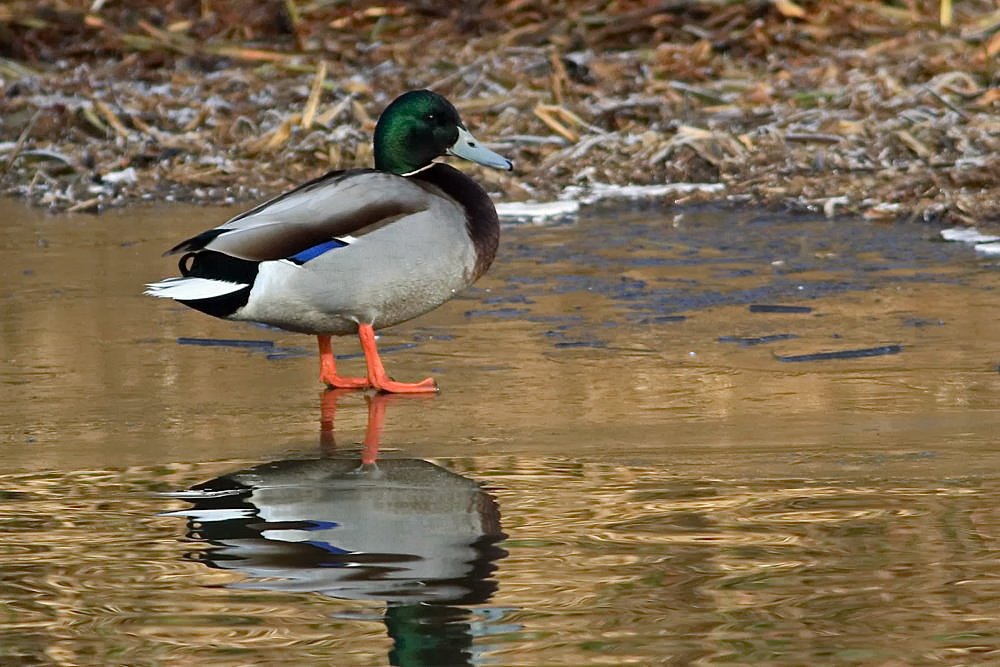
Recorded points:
(418, 127)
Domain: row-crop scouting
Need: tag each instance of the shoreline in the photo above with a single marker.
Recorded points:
(897, 121)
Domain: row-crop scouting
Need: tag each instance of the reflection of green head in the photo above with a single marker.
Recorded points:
(429, 635)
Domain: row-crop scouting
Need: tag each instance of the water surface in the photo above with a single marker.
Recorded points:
(614, 401)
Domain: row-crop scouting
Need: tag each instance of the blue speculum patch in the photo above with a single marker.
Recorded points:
(316, 251)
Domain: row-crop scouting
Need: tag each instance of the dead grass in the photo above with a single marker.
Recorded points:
(878, 108)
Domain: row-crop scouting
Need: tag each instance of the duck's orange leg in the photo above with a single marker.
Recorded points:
(328, 368)
(376, 371)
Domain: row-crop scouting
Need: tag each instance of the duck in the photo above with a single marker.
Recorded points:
(355, 250)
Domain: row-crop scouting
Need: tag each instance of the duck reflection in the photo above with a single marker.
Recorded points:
(400, 530)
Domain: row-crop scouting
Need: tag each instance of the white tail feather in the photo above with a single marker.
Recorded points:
(191, 289)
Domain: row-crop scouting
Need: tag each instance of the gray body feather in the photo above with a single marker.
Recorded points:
(409, 252)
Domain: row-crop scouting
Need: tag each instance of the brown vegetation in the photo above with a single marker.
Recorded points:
(882, 108)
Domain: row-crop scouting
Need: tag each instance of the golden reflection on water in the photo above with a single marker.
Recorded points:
(669, 498)
(607, 562)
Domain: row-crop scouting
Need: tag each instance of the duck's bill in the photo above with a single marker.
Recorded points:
(467, 147)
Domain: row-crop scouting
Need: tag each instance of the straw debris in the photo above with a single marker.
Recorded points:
(884, 109)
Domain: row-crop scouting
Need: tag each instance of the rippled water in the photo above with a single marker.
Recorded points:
(620, 469)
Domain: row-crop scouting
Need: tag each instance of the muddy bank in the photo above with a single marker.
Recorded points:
(884, 110)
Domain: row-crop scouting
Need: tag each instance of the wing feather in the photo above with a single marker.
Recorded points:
(338, 204)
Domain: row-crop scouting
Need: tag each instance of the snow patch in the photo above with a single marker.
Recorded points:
(985, 244)
(568, 204)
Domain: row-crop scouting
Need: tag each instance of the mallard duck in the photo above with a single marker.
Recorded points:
(355, 250)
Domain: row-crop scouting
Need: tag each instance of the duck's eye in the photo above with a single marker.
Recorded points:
(430, 118)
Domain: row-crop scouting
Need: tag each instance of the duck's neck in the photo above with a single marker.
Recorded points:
(480, 215)
(394, 161)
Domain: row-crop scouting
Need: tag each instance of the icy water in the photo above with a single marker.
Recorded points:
(635, 458)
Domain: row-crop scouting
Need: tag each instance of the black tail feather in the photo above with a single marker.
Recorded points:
(218, 266)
